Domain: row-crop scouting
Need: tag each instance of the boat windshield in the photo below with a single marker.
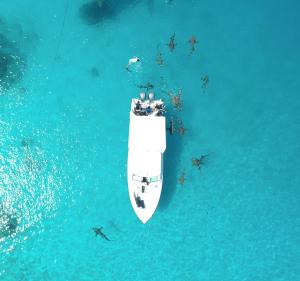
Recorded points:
(155, 179)
(137, 178)
(145, 179)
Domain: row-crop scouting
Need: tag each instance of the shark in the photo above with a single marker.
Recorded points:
(193, 41)
(171, 129)
(98, 231)
(172, 43)
(148, 86)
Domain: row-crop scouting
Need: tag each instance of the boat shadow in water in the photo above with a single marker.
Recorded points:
(96, 11)
(171, 160)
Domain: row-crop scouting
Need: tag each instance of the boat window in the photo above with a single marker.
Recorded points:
(137, 178)
(155, 179)
(145, 179)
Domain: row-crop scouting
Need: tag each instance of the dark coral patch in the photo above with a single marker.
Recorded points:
(8, 224)
(93, 13)
(12, 65)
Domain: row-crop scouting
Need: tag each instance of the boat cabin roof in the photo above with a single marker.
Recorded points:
(147, 133)
(146, 164)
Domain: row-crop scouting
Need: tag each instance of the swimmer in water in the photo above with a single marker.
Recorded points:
(132, 61)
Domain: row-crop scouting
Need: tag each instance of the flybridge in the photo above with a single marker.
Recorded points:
(146, 146)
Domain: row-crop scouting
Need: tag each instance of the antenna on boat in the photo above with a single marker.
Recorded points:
(142, 96)
(151, 96)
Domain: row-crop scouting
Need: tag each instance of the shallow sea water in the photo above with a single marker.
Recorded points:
(64, 130)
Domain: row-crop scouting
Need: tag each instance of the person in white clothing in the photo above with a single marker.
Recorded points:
(132, 61)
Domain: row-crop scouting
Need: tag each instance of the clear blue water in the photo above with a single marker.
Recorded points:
(64, 130)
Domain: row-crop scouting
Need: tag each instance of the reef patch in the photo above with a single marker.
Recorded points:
(12, 63)
(8, 223)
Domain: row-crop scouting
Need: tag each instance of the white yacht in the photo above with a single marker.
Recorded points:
(146, 146)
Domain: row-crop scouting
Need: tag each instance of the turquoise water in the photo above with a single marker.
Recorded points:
(64, 109)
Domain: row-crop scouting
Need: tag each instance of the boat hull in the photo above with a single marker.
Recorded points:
(146, 146)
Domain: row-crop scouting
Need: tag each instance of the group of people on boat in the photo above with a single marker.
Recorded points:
(148, 107)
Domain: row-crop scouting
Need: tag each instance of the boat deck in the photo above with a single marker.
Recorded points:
(148, 107)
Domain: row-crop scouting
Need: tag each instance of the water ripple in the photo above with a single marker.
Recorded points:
(30, 187)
